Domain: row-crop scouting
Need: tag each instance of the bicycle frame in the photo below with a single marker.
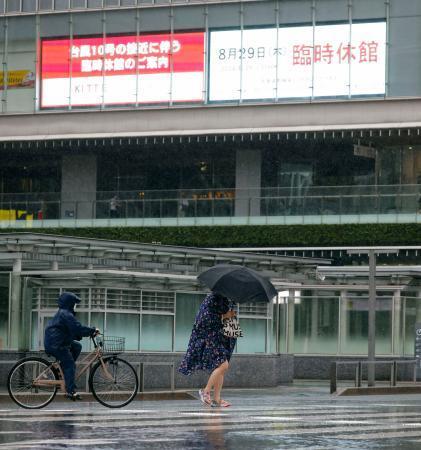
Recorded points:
(85, 364)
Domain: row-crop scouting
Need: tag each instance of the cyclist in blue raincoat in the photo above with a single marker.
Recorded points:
(60, 339)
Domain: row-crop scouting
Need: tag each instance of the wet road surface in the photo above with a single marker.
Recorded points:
(281, 418)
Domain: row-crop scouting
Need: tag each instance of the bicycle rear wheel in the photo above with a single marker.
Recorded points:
(21, 387)
(115, 384)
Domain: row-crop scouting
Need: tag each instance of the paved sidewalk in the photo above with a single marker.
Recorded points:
(295, 417)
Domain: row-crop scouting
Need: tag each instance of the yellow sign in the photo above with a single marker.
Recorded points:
(17, 79)
(13, 214)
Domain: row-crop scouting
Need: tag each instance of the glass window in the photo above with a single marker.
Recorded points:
(254, 339)
(34, 331)
(111, 2)
(95, 3)
(152, 339)
(61, 4)
(83, 318)
(412, 315)
(291, 11)
(374, 9)
(45, 5)
(220, 16)
(86, 24)
(97, 321)
(192, 18)
(187, 306)
(262, 13)
(21, 56)
(159, 168)
(331, 10)
(28, 5)
(384, 325)
(278, 339)
(78, 4)
(119, 22)
(315, 323)
(404, 52)
(13, 6)
(354, 339)
(124, 325)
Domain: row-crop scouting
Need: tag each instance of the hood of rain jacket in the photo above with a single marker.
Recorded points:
(64, 328)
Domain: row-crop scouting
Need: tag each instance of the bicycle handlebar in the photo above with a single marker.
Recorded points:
(93, 338)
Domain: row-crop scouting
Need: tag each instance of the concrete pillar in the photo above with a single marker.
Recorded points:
(78, 186)
(248, 182)
(15, 325)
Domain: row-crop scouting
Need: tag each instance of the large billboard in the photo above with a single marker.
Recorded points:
(116, 70)
(297, 61)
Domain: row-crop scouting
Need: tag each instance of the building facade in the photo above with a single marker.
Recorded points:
(128, 113)
(223, 112)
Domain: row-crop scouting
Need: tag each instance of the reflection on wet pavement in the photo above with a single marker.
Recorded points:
(281, 418)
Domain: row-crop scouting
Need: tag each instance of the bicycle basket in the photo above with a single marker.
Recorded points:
(112, 344)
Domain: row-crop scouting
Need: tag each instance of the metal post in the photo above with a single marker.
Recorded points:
(359, 373)
(394, 376)
(371, 317)
(333, 377)
(372, 252)
(15, 305)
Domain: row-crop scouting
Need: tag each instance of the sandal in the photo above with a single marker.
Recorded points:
(221, 404)
(204, 397)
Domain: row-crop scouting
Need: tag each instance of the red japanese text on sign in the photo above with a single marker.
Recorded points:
(327, 53)
(123, 55)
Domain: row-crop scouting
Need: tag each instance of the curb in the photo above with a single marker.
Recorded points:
(88, 397)
(385, 390)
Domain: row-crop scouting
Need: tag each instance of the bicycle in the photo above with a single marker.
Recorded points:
(33, 382)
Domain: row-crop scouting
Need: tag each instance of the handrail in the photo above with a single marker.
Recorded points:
(274, 191)
(358, 371)
(299, 205)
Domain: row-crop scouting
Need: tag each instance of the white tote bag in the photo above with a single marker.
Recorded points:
(231, 328)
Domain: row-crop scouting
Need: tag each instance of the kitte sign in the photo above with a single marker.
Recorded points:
(116, 70)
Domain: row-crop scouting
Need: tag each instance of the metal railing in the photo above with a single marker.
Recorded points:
(315, 201)
(176, 208)
(358, 371)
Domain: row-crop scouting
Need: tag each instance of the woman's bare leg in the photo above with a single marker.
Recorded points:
(216, 380)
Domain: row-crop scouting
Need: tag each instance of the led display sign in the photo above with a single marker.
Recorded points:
(297, 62)
(116, 70)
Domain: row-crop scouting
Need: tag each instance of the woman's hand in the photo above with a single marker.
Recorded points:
(229, 314)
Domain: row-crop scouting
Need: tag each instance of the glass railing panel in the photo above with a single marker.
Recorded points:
(205, 204)
(224, 207)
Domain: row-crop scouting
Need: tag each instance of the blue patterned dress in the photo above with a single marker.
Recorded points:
(208, 348)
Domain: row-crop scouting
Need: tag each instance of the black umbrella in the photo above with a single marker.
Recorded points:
(240, 284)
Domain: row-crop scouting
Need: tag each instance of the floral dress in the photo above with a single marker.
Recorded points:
(208, 348)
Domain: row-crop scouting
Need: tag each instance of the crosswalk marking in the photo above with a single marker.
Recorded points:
(321, 423)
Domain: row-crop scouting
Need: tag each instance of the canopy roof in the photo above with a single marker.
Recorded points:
(62, 260)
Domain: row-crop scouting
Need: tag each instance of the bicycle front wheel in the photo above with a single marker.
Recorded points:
(28, 383)
(113, 382)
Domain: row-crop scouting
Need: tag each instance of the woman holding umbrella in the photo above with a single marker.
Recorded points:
(209, 349)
